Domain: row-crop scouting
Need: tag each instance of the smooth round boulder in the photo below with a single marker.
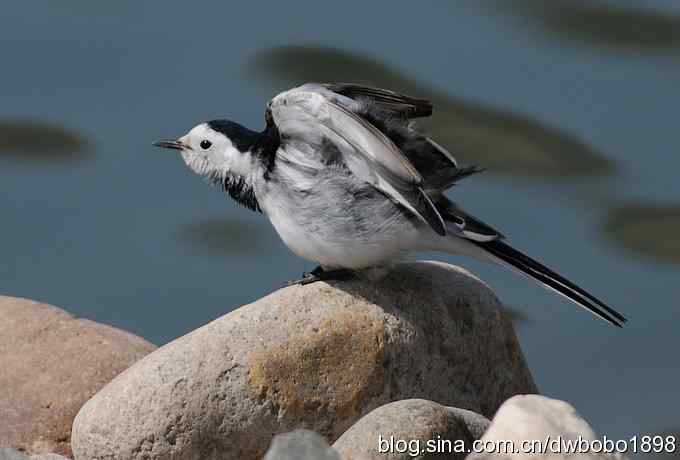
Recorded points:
(412, 429)
(318, 357)
(51, 364)
(535, 426)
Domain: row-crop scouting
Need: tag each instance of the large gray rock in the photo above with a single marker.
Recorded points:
(319, 357)
(402, 429)
(51, 364)
(300, 445)
(527, 419)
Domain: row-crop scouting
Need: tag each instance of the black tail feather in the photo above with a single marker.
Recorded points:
(552, 280)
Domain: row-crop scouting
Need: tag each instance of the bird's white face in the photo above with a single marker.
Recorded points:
(206, 151)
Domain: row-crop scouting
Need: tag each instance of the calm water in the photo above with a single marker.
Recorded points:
(573, 109)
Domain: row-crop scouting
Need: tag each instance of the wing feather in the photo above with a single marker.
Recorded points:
(389, 101)
(390, 113)
(302, 113)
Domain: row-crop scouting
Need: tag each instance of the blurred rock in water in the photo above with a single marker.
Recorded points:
(621, 27)
(30, 141)
(649, 230)
(502, 141)
(226, 237)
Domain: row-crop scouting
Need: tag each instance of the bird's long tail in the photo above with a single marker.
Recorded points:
(514, 259)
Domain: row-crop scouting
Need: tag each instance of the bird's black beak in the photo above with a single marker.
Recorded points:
(168, 144)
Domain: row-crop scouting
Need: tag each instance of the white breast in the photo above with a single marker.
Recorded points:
(320, 217)
(320, 244)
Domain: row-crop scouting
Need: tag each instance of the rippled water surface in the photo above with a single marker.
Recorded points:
(571, 105)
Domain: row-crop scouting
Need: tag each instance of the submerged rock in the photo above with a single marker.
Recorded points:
(319, 357)
(51, 364)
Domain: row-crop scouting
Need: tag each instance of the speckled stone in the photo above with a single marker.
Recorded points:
(318, 357)
(537, 418)
(413, 421)
(51, 364)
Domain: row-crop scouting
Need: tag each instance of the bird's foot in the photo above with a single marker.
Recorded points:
(319, 274)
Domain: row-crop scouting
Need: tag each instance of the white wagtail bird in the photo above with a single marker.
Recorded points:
(349, 182)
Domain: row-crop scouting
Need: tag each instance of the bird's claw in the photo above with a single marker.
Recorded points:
(307, 278)
(319, 274)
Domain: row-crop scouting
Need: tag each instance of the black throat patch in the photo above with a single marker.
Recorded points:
(238, 188)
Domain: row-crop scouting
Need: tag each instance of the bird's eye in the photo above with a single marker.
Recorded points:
(205, 144)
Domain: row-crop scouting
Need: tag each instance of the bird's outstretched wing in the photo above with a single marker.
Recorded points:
(307, 112)
(391, 113)
(388, 101)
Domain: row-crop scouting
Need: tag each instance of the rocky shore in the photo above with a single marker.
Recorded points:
(323, 371)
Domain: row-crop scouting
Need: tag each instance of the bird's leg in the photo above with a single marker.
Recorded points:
(319, 274)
